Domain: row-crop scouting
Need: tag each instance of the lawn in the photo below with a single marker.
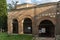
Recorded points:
(5, 36)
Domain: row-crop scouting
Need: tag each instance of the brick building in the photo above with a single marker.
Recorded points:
(34, 19)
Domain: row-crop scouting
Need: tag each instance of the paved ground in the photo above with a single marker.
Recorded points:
(41, 38)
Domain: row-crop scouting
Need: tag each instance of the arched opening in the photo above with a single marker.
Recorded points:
(27, 26)
(46, 29)
(15, 26)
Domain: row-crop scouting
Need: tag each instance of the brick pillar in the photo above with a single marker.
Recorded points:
(34, 29)
(20, 27)
(10, 28)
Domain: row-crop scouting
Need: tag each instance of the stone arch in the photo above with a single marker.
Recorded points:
(46, 28)
(15, 25)
(21, 20)
(46, 18)
(27, 26)
(24, 16)
(50, 28)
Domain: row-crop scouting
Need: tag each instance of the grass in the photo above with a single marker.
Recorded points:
(5, 36)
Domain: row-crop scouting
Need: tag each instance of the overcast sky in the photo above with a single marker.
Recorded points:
(32, 1)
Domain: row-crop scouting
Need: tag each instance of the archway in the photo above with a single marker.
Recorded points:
(46, 29)
(15, 26)
(27, 26)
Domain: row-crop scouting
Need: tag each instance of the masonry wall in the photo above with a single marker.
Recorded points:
(36, 14)
(58, 20)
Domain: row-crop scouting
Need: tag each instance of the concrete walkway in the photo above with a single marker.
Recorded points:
(42, 38)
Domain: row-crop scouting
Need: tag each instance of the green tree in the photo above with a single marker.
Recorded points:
(3, 14)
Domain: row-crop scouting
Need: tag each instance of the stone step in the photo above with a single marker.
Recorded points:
(41, 38)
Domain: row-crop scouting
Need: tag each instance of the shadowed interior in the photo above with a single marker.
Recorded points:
(47, 29)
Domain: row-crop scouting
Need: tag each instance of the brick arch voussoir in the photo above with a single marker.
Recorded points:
(25, 16)
(46, 18)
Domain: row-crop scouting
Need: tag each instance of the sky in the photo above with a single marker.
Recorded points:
(32, 1)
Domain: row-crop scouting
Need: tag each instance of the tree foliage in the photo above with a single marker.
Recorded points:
(3, 14)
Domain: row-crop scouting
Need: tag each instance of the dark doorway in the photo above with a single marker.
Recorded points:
(15, 26)
(46, 29)
(27, 26)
